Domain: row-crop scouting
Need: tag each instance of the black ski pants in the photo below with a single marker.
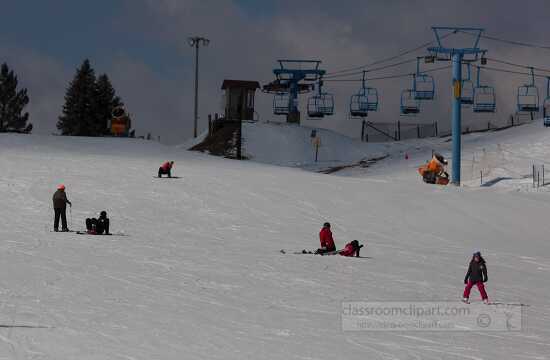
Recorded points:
(60, 212)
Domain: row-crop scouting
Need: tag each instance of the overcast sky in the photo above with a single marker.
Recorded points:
(142, 46)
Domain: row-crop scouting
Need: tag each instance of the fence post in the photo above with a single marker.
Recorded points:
(481, 173)
(542, 174)
(399, 130)
(417, 131)
(363, 130)
(533, 175)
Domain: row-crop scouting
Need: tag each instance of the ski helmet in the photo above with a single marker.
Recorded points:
(327, 224)
(103, 214)
(477, 253)
(61, 187)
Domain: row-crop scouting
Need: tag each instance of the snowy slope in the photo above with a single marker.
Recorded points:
(200, 275)
(505, 158)
(291, 145)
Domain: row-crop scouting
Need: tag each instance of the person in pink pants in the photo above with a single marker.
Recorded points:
(476, 275)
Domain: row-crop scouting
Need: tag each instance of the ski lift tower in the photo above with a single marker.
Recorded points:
(293, 77)
(458, 56)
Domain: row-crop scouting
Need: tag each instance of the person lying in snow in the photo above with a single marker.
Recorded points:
(98, 226)
(351, 249)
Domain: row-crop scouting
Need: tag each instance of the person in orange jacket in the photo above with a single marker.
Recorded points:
(166, 169)
(434, 172)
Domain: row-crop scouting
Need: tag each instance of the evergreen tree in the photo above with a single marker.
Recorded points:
(106, 102)
(12, 103)
(79, 115)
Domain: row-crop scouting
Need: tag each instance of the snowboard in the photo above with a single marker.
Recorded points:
(166, 177)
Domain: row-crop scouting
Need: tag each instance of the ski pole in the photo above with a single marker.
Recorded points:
(71, 215)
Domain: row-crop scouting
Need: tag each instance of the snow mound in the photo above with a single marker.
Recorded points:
(292, 145)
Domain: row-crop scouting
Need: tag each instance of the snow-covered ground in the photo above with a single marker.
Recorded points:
(200, 275)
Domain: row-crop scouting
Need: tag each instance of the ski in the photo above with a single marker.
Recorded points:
(309, 252)
(166, 177)
(110, 234)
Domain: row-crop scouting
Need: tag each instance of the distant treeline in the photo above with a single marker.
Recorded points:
(88, 109)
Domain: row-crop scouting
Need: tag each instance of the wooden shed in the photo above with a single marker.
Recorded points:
(239, 99)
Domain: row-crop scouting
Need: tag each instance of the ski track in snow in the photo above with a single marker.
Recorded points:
(200, 275)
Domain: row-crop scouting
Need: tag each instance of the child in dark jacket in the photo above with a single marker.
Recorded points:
(476, 275)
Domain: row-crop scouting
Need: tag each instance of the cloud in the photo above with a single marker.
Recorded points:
(45, 78)
(152, 67)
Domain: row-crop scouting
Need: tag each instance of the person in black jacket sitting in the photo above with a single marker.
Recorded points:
(98, 226)
(476, 275)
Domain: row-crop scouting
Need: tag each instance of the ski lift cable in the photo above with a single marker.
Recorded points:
(373, 69)
(390, 76)
(518, 65)
(513, 72)
(385, 60)
(510, 42)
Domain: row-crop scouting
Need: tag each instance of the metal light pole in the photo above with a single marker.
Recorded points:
(195, 42)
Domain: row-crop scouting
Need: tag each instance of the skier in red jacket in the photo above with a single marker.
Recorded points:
(166, 169)
(327, 242)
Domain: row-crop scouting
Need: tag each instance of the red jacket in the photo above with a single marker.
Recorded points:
(166, 166)
(348, 250)
(326, 239)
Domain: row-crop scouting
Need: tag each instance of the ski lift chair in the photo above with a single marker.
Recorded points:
(410, 105)
(424, 87)
(546, 110)
(484, 99)
(320, 105)
(363, 102)
(528, 98)
(467, 92)
(280, 104)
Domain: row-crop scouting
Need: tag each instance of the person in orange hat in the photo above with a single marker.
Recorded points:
(60, 202)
